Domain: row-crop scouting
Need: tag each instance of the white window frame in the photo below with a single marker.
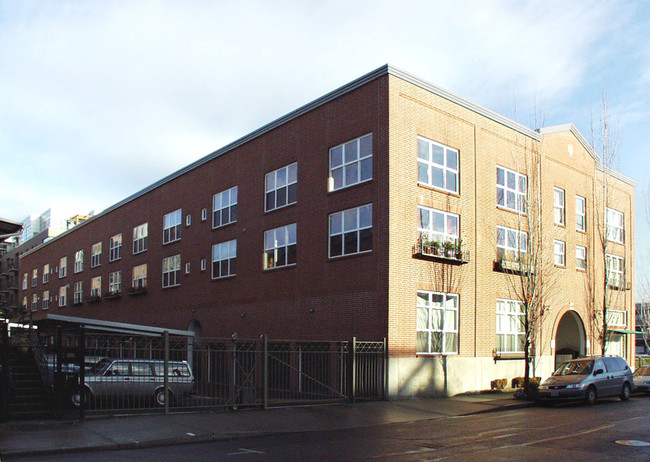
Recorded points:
(63, 267)
(115, 283)
(616, 318)
(581, 213)
(559, 215)
(140, 235)
(25, 279)
(78, 261)
(139, 276)
(559, 253)
(115, 248)
(510, 326)
(171, 271)
(46, 273)
(505, 191)
(96, 287)
(447, 330)
(96, 255)
(224, 259)
(350, 163)
(172, 225)
(34, 302)
(224, 207)
(78, 292)
(615, 268)
(34, 277)
(45, 303)
(615, 225)
(429, 221)
(505, 240)
(63, 295)
(442, 174)
(581, 256)
(350, 231)
(281, 187)
(280, 247)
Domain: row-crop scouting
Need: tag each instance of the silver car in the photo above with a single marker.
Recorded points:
(137, 378)
(589, 378)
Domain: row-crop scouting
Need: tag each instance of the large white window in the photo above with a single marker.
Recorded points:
(78, 292)
(510, 326)
(350, 231)
(34, 302)
(63, 267)
(34, 277)
(25, 276)
(46, 273)
(614, 222)
(581, 257)
(437, 323)
(281, 187)
(172, 226)
(511, 190)
(280, 247)
(512, 239)
(115, 248)
(63, 295)
(616, 318)
(45, 304)
(171, 271)
(558, 206)
(351, 163)
(437, 225)
(140, 234)
(581, 213)
(96, 255)
(96, 287)
(224, 259)
(139, 277)
(115, 283)
(559, 253)
(437, 165)
(615, 267)
(224, 207)
(78, 261)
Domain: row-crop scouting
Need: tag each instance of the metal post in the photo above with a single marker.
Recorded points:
(4, 376)
(353, 369)
(266, 372)
(81, 353)
(384, 378)
(166, 371)
(59, 381)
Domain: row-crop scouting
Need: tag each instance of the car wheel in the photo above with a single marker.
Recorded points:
(591, 395)
(625, 393)
(79, 396)
(159, 396)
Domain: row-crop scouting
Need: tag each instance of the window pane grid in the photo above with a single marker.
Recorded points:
(510, 326)
(171, 270)
(511, 190)
(224, 259)
(350, 231)
(281, 187)
(437, 225)
(280, 247)
(437, 323)
(172, 226)
(437, 165)
(351, 163)
(224, 207)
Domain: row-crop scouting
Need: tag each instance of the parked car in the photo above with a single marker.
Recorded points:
(588, 379)
(642, 379)
(142, 378)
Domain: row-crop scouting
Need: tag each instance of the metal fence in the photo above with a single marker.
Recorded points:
(126, 373)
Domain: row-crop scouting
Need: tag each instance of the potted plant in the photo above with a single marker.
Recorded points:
(448, 246)
(459, 249)
(435, 246)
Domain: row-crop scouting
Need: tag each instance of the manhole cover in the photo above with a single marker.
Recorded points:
(633, 443)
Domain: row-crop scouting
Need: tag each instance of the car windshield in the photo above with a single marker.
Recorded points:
(641, 371)
(575, 368)
(101, 364)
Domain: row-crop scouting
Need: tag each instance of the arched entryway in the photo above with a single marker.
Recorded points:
(570, 338)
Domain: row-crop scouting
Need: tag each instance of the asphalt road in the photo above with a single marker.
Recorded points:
(573, 432)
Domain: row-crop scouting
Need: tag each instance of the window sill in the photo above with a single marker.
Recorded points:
(280, 208)
(348, 256)
(506, 209)
(230, 276)
(291, 266)
(352, 186)
(224, 225)
(439, 190)
(170, 242)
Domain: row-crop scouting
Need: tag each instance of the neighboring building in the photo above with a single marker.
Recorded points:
(325, 224)
(642, 311)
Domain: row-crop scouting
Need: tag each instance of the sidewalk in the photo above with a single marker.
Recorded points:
(20, 439)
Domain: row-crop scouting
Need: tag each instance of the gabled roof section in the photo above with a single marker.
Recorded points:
(592, 152)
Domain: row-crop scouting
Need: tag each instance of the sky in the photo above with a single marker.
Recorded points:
(98, 100)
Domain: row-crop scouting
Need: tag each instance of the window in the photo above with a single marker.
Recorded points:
(63, 267)
(172, 226)
(78, 261)
(188, 220)
(78, 292)
(350, 231)
(437, 323)
(617, 318)
(204, 214)
(46, 273)
(511, 190)
(581, 257)
(45, 304)
(280, 247)
(115, 283)
(614, 223)
(437, 165)
(512, 239)
(615, 267)
(224, 259)
(510, 326)
(34, 302)
(351, 163)
(96, 255)
(171, 271)
(34, 277)
(63, 295)
(140, 234)
(139, 280)
(96, 287)
(204, 264)
(437, 225)
(558, 206)
(281, 187)
(115, 248)
(559, 253)
(224, 207)
(581, 214)
(25, 276)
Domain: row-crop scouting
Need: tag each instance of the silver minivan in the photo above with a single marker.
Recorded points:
(141, 378)
(589, 378)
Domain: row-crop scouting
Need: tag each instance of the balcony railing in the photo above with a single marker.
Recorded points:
(112, 294)
(137, 289)
(510, 261)
(452, 252)
(93, 299)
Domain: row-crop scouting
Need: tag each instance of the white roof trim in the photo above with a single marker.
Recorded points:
(117, 326)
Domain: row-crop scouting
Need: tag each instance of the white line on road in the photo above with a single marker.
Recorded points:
(245, 451)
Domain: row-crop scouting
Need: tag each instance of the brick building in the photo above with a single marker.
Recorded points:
(388, 208)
